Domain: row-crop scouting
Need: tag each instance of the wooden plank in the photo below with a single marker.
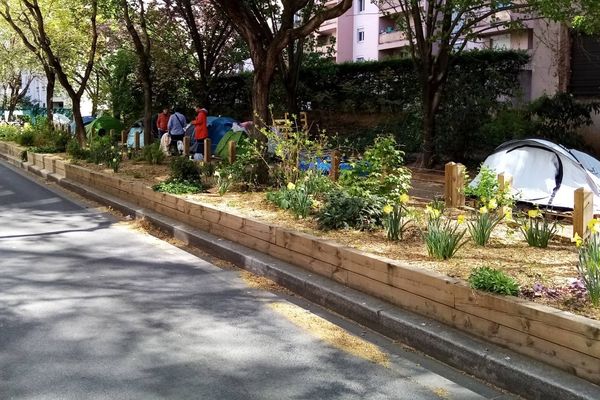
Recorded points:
(231, 151)
(567, 359)
(423, 283)
(308, 245)
(578, 333)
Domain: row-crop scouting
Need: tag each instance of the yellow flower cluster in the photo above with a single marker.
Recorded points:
(534, 213)
(291, 186)
(387, 209)
(577, 240)
(432, 212)
(460, 219)
(594, 225)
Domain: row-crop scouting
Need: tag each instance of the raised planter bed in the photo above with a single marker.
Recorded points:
(559, 338)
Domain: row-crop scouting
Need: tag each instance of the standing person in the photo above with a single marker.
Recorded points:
(176, 128)
(162, 122)
(200, 128)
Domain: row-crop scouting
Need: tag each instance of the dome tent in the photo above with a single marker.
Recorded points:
(545, 173)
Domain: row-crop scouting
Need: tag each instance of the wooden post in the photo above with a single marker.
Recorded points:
(504, 183)
(137, 140)
(112, 134)
(186, 145)
(124, 138)
(232, 150)
(583, 211)
(454, 185)
(334, 172)
(207, 150)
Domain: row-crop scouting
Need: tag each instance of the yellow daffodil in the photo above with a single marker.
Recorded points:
(484, 200)
(404, 199)
(387, 209)
(217, 174)
(508, 214)
(594, 225)
(291, 186)
(435, 214)
(493, 204)
(460, 219)
(483, 210)
(534, 213)
(577, 240)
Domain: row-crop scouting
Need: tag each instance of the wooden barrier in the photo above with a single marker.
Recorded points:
(334, 172)
(231, 151)
(559, 338)
(137, 141)
(454, 185)
(207, 150)
(186, 145)
(504, 184)
(124, 138)
(583, 211)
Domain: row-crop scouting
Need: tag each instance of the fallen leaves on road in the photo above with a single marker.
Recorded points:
(331, 333)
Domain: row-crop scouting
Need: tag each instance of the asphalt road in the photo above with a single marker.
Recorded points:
(90, 309)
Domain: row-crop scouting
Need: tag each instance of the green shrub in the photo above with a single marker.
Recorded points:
(494, 281)
(26, 138)
(443, 238)
(184, 169)
(75, 150)
(45, 149)
(102, 151)
(343, 211)
(153, 154)
(380, 172)
(293, 198)
(9, 133)
(537, 230)
(178, 187)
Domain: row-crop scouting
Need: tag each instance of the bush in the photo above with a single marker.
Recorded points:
(395, 218)
(184, 169)
(293, 198)
(178, 187)
(26, 138)
(101, 151)
(9, 133)
(75, 150)
(343, 211)
(494, 281)
(380, 172)
(153, 154)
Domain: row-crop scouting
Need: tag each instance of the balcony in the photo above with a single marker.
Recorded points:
(328, 26)
(391, 37)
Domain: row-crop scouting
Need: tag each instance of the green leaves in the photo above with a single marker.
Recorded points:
(494, 281)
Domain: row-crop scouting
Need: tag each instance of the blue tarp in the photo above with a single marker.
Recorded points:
(86, 120)
(323, 165)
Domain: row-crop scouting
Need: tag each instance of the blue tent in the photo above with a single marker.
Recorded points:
(217, 128)
(135, 128)
(88, 119)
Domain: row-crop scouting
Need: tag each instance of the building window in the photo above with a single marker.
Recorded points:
(360, 59)
(360, 35)
(361, 5)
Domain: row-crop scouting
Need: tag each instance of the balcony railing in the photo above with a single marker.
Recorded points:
(389, 37)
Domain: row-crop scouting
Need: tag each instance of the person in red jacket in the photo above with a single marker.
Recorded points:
(200, 128)
(162, 122)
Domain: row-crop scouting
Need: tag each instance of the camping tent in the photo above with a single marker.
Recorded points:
(545, 173)
(217, 128)
(136, 128)
(86, 121)
(102, 125)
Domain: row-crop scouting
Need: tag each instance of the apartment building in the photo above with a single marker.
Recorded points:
(367, 33)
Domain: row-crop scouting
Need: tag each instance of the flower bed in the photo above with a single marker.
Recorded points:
(559, 338)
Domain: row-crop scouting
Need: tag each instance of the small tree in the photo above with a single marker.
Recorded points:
(436, 30)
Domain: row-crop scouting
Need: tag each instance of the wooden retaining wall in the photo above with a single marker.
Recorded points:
(558, 338)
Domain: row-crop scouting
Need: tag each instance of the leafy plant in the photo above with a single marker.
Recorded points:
(443, 238)
(75, 150)
(380, 172)
(178, 187)
(589, 262)
(224, 182)
(494, 281)
(481, 228)
(395, 218)
(343, 210)
(26, 138)
(153, 154)
(184, 169)
(537, 230)
(293, 198)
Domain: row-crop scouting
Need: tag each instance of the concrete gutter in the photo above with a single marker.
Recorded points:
(489, 362)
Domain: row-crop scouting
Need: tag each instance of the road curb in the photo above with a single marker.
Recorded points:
(502, 367)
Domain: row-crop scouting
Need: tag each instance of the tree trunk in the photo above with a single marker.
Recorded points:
(51, 78)
(260, 96)
(430, 107)
(147, 83)
(79, 128)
